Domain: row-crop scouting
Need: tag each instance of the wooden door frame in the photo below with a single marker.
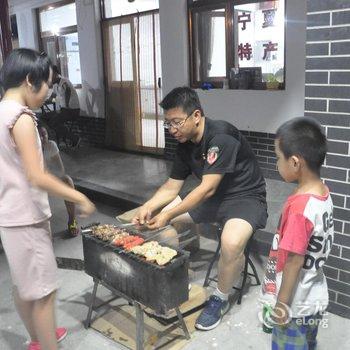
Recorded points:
(106, 24)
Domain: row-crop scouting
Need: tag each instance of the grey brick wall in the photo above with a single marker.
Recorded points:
(263, 146)
(170, 146)
(91, 130)
(327, 99)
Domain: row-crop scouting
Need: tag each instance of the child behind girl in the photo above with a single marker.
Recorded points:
(24, 208)
(54, 164)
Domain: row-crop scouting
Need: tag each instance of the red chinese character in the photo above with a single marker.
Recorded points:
(269, 47)
(244, 18)
(245, 51)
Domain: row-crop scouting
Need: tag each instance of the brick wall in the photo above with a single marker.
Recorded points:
(170, 146)
(91, 130)
(263, 146)
(328, 100)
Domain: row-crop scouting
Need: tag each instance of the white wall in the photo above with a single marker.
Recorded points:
(27, 29)
(248, 110)
(91, 59)
(174, 43)
(91, 95)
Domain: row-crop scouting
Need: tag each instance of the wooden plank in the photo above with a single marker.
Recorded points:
(119, 325)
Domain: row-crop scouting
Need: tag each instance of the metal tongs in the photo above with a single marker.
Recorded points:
(142, 228)
(151, 235)
(88, 228)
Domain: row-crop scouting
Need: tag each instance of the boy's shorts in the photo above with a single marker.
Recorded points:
(299, 334)
(251, 209)
(31, 259)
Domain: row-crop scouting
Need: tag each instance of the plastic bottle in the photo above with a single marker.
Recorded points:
(267, 326)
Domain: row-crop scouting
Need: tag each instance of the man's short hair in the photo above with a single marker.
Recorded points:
(182, 97)
(303, 137)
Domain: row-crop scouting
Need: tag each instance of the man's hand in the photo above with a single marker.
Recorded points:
(143, 215)
(159, 221)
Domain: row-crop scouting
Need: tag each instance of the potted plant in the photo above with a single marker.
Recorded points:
(271, 82)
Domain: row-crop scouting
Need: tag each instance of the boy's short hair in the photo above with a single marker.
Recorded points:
(21, 63)
(303, 137)
(182, 97)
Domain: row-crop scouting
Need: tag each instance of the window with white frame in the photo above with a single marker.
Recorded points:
(59, 38)
(240, 42)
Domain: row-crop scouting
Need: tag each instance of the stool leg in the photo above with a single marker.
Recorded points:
(245, 274)
(207, 277)
(255, 273)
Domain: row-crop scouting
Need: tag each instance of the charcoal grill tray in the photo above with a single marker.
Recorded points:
(159, 287)
(172, 264)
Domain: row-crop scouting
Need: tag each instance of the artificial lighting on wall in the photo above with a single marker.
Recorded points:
(55, 30)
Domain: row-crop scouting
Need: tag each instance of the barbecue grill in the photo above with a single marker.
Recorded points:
(142, 283)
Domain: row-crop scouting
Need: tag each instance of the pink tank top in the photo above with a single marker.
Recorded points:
(20, 203)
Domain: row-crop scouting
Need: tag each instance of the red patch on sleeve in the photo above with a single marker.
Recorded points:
(212, 155)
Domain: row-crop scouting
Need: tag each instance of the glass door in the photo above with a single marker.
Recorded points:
(133, 74)
(68, 46)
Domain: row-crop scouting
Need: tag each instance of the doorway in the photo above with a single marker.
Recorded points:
(133, 82)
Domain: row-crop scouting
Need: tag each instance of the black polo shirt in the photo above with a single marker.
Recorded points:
(222, 150)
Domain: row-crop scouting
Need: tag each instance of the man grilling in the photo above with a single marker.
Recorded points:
(231, 192)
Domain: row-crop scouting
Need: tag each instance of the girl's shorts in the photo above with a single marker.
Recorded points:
(31, 259)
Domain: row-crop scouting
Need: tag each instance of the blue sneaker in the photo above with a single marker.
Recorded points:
(212, 313)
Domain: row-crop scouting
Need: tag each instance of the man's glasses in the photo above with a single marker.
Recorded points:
(175, 125)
